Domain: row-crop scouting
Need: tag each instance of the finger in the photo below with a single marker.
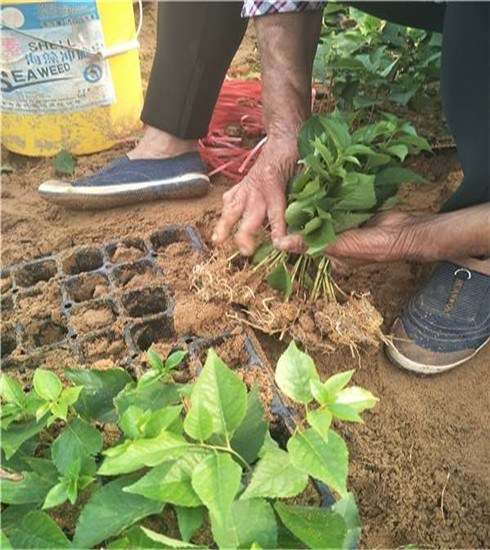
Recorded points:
(252, 219)
(233, 206)
(294, 244)
(276, 209)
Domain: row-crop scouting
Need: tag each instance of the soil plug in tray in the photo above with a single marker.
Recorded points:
(105, 302)
(241, 351)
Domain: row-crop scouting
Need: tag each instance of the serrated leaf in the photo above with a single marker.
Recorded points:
(326, 461)
(38, 530)
(198, 423)
(31, 488)
(250, 522)
(338, 381)
(345, 412)
(64, 163)
(79, 439)
(275, 477)
(294, 371)
(316, 527)
(133, 455)
(47, 384)
(320, 420)
(18, 433)
(100, 387)
(129, 422)
(171, 482)
(189, 520)
(309, 130)
(167, 418)
(56, 496)
(356, 192)
(279, 279)
(216, 481)
(249, 437)
(152, 396)
(357, 398)
(222, 393)
(109, 511)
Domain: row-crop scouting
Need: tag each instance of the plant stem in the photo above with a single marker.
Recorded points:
(227, 449)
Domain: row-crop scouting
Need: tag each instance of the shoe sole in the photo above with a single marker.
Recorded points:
(100, 197)
(408, 364)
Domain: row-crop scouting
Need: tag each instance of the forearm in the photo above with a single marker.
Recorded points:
(287, 45)
(457, 234)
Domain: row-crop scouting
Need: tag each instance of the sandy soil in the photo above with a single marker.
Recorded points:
(420, 465)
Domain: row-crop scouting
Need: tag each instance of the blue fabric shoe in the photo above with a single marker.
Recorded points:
(128, 181)
(445, 323)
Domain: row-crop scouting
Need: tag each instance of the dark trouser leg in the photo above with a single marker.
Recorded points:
(465, 95)
(196, 42)
(465, 82)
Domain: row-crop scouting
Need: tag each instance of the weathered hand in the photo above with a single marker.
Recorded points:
(259, 196)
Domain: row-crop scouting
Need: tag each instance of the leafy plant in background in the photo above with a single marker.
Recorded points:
(347, 177)
(202, 450)
(367, 62)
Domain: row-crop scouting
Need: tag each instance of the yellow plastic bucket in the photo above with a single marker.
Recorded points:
(85, 124)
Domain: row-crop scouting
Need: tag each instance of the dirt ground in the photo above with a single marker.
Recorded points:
(420, 463)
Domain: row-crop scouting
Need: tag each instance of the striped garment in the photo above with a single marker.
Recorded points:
(255, 8)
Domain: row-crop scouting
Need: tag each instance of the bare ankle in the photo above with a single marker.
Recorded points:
(157, 144)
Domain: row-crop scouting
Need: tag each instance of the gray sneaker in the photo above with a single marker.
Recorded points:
(445, 324)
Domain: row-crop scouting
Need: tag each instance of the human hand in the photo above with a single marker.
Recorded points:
(388, 237)
(260, 196)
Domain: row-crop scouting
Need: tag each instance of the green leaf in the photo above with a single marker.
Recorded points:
(189, 520)
(356, 192)
(148, 396)
(345, 412)
(296, 216)
(18, 433)
(131, 456)
(167, 542)
(47, 384)
(357, 398)
(198, 423)
(320, 239)
(100, 387)
(30, 488)
(78, 440)
(326, 460)
(38, 530)
(167, 418)
(262, 252)
(250, 522)
(342, 221)
(42, 466)
(396, 176)
(337, 130)
(216, 481)
(250, 435)
(130, 421)
(316, 527)
(321, 395)
(64, 163)
(294, 371)
(174, 360)
(69, 396)
(11, 391)
(400, 151)
(338, 381)
(275, 477)
(222, 394)
(56, 496)
(347, 508)
(320, 420)
(171, 481)
(311, 128)
(280, 280)
(4, 541)
(154, 360)
(109, 511)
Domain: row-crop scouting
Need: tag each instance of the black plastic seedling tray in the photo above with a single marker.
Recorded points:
(144, 314)
(283, 417)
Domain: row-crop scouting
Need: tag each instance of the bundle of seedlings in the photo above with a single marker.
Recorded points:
(346, 177)
(194, 465)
